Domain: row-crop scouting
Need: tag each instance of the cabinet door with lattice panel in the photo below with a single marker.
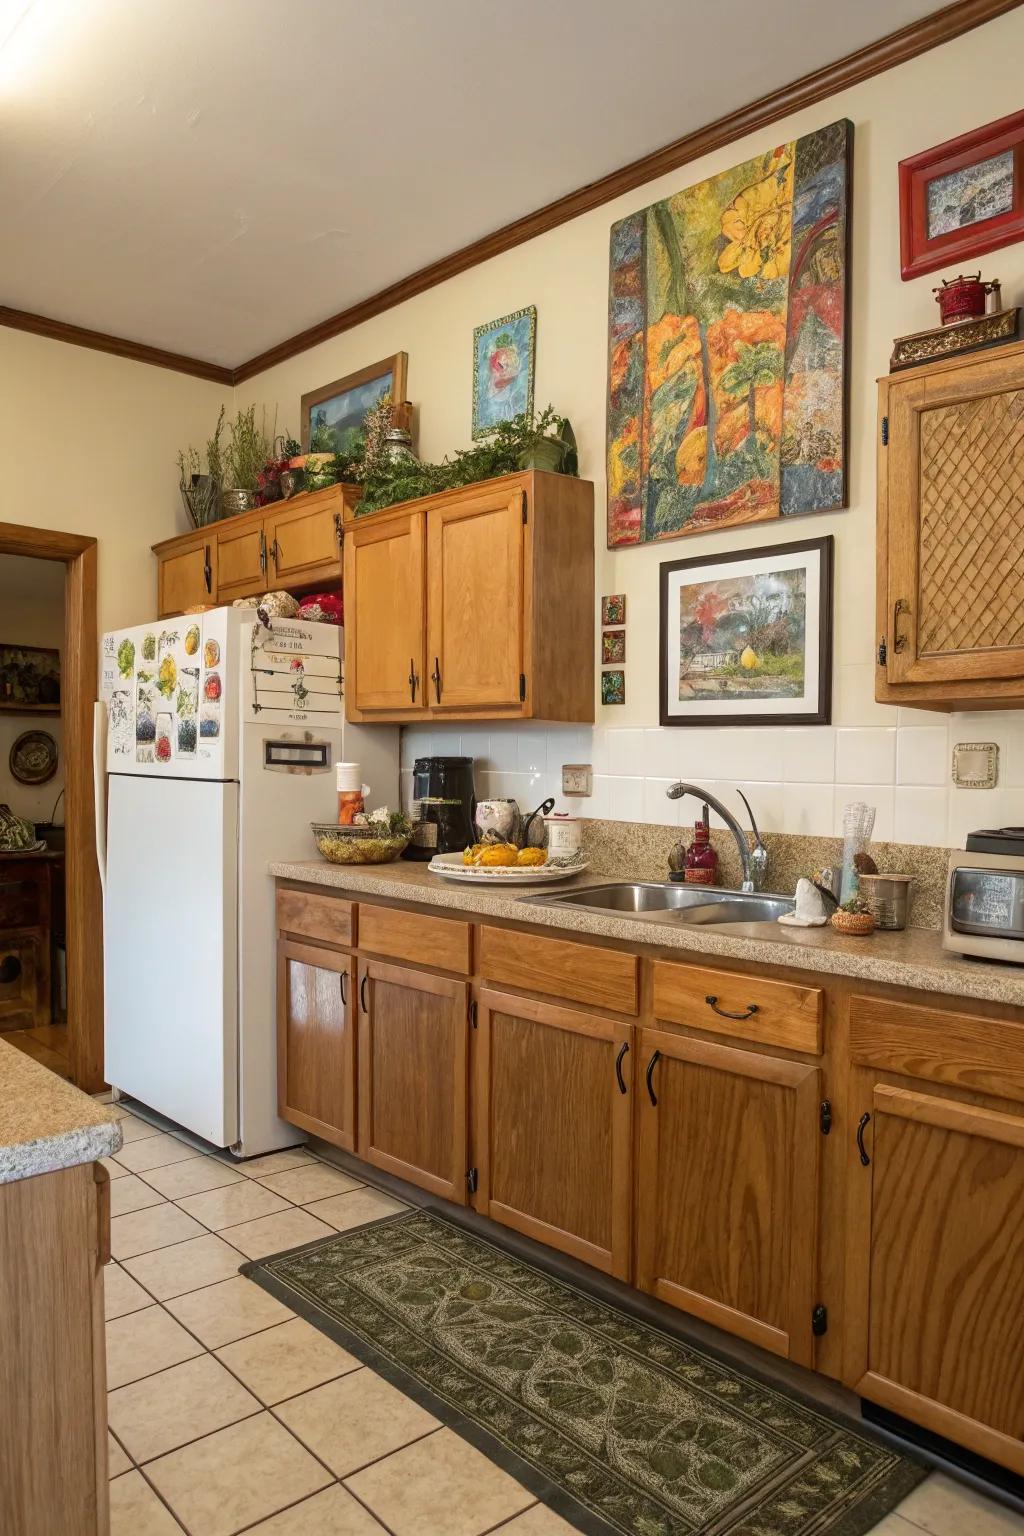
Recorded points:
(953, 478)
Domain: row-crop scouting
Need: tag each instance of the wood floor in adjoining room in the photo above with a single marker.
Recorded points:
(47, 1043)
(230, 1414)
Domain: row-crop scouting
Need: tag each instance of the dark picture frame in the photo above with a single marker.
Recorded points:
(30, 679)
(819, 564)
(920, 177)
(394, 368)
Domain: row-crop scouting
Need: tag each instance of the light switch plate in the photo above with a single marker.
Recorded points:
(577, 779)
(976, 765)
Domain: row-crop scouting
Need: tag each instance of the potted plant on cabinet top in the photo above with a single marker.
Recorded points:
(248, 452)
(201, 492)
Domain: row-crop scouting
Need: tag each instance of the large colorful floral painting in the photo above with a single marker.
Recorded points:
(727, 347)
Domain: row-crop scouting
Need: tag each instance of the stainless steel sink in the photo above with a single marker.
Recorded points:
(671, 903)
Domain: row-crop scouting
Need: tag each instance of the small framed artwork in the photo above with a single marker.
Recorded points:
(29, 679)
(504, 352)
(613, 687)
(746, 638)
(613, 609)
(613, 647)
(334, 414)
(962, 198)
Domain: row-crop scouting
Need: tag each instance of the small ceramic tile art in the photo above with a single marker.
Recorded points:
(613, 646)
(613, 687)
(613, 609)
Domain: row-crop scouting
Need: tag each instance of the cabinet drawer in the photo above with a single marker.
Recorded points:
(440, 942)
(308, 915)
(746, 1007)
(581, 972)
(961, 1050)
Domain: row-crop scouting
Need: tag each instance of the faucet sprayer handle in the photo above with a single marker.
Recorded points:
(750, 813)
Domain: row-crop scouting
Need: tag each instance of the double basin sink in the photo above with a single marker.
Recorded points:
(694, 905)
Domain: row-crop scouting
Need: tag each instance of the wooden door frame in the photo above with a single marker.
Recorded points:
(80, 667)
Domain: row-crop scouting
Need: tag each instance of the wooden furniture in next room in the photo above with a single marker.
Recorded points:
(27, 911)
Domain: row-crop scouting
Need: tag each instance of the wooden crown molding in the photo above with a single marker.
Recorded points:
(896, 48)
(99, 341)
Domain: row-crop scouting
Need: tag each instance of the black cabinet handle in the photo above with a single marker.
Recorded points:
(344, 989)
(413, 679)
(861, 1125)
(263, 554)
(650, 1078)
(724, 1013)
(435, 678)
(620, 1058)
(362, 993)
(207, 569)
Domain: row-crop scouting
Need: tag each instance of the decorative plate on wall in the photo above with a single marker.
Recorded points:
(33, 758)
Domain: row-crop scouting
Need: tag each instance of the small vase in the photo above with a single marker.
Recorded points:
(292, 482)
(234, 501)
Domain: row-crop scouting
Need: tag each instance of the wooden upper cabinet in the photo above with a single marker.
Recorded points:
(475, 600)
(316, 1053)
(502, 613)
(727, 1185)
(241, 560)
(384, 616)
(304, 540)
(951, 558)
(188, 574)
(935, 1263)
(553, 1094)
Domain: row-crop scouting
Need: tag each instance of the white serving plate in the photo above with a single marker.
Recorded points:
(450, 865)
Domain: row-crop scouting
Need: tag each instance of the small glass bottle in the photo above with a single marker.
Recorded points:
(701, 866)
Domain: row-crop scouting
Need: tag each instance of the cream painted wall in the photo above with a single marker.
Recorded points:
(941, 94)
(90, 447)
(31, 613)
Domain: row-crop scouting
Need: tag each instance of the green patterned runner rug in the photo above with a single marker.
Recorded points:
(617, 1425)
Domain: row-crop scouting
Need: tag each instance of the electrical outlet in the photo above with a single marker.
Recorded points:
(577, 779)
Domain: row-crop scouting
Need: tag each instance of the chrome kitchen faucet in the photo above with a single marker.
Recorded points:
(754, 861)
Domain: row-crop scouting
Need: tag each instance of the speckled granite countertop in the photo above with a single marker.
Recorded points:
(46, 1123)
(913, 958)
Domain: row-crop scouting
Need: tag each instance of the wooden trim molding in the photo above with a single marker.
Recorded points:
(874, 59)
(118, 346)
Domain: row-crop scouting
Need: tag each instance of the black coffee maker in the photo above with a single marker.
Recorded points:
(443, 805)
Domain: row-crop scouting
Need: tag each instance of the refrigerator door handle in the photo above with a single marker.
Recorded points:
(99, 787)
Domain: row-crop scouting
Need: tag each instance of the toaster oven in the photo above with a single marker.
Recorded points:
(984, 909)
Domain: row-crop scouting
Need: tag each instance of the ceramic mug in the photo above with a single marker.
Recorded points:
(497, 820)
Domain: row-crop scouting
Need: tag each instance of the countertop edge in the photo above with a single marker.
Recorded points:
(65, 1149)
(950, 979)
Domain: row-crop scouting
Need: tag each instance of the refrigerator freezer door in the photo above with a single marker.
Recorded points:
(170, 930)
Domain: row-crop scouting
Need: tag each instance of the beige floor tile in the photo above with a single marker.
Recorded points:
(121, 1293)
(153, 1152)
(944, 1507)
(345, 1211)
(284, 1361)
(156, 1415)
(541, 1521)
(171, 1272)
(442, 1485)
(135, 1129)
(892, 1525)
(135, 1509)
(131, 1194)
(196, 1174)
(275, 1162)
(273, 1234)
(355, 1419)
(117, 1459)
(157, 1227)
(115, 1170)
(220, 1314)
(232, 1205)
(331, 1513)
(231, 1479)
(144, 1342)
(314, 1181)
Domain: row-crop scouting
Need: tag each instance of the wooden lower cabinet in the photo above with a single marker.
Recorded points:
(316, 1041)
(935, 1262)
(413, 1066)
(727, 1188)
(553, 1091)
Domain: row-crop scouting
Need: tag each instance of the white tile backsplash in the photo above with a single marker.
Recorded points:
(797, 779)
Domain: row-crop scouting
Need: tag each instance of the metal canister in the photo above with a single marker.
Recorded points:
(887, 897)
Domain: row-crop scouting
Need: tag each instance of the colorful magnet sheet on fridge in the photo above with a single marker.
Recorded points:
(188, 709)
(192, 639)
(149, 648)
(164, 727)
(121, 720)
(209, 719)
(145, 719)
(211, 653)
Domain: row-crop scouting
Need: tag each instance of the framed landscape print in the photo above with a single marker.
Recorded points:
(336, 411)
(746, 638)
(504, 352)
(962, 198)
(29, 679)
(727, 347)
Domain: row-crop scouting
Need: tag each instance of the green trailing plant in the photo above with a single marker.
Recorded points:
(287, 447)
(510, 447)
(249, 449)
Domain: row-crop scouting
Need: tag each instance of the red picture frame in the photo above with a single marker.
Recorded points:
(922, 251)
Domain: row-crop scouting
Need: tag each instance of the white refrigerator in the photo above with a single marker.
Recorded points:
(219, 741)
